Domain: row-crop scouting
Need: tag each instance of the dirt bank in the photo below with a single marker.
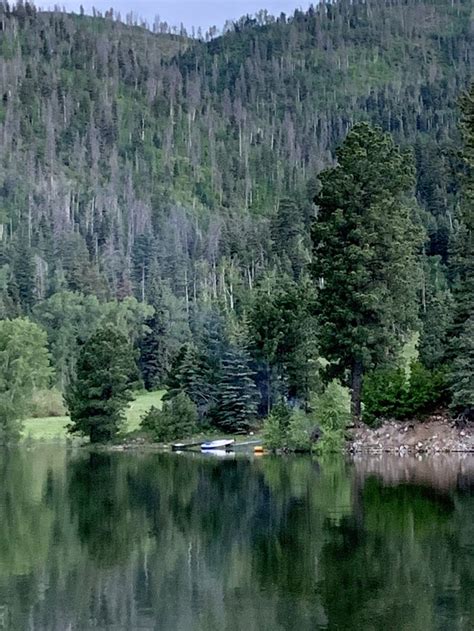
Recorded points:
(437, 434)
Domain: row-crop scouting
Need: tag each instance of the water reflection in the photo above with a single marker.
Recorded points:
(147, 541)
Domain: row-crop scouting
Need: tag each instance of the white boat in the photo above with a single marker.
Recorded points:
(217, 444)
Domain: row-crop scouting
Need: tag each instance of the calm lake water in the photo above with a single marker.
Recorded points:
(188, 542)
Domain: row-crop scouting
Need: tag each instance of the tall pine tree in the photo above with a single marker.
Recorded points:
(365, 255)
(462, 376)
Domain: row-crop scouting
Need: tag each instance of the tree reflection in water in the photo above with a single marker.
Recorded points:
(125, 541)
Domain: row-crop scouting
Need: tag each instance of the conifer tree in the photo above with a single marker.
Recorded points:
(288, 237)
(365, 255)
(237, 397)
(153, 360)
(189, 374)
(100, 392)
(462, 372)
(462, 377)
(23, 282)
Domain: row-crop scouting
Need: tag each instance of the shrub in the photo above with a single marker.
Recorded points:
(426, 389)
(392, 393)
(177, 419)
(275, 427)
(288, 429)
(47, 403)
(299, 431)
(332, 414)
(382, 394)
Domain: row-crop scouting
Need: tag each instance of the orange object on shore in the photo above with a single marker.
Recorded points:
(258, 449)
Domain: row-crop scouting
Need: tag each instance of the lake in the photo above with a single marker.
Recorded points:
(93, 540)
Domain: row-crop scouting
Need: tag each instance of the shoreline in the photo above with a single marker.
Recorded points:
(437, 434)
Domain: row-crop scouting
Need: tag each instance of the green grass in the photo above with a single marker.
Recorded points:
(54, 428)
(49, 428)
(140, 406)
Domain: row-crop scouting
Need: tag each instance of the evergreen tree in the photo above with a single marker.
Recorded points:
(153, 360)
(462, 372)
(100, 392)
(436, 313)
(365, 255)
(289, 238)
(237, 397)
(282, 339)
(463, 271)
(189, 374)
(23, 280)
(178, 418)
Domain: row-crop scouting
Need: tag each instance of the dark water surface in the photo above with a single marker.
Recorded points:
(170, 542)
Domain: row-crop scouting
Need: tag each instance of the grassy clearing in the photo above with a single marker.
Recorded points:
(54, 428)
(140, 406)
(48, 428)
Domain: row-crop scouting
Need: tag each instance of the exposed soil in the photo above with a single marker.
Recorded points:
(436, 434)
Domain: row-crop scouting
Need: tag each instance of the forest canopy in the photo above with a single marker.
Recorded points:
(178, 188)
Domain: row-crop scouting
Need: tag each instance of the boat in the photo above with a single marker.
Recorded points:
(217, 444)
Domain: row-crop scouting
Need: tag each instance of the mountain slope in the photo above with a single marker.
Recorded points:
(127, 155)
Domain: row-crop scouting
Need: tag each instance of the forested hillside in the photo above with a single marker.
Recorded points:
(116, 141)
(172, 172)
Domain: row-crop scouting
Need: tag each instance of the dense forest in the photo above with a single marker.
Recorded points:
(257, 213)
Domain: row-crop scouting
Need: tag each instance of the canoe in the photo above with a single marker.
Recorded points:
(217, 444)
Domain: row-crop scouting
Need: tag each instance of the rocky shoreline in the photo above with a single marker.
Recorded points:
(437, 434)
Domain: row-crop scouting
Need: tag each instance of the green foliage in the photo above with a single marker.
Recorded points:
(70, 318)
(365, 254)
(288, 430)
(300, 429)
(110, 185)
(100, 391)
(391, 393)
(282, 333)
(47, 403)
(436, 313)
(166, 330)
(188, 374)
(24, 367)
(331, 411)
(462, 371)
(237, 394)
(178, 418)
(290, 238)
(275, 429)
(323, 429)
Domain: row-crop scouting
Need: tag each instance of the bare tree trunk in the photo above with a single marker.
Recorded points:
(356, 390)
